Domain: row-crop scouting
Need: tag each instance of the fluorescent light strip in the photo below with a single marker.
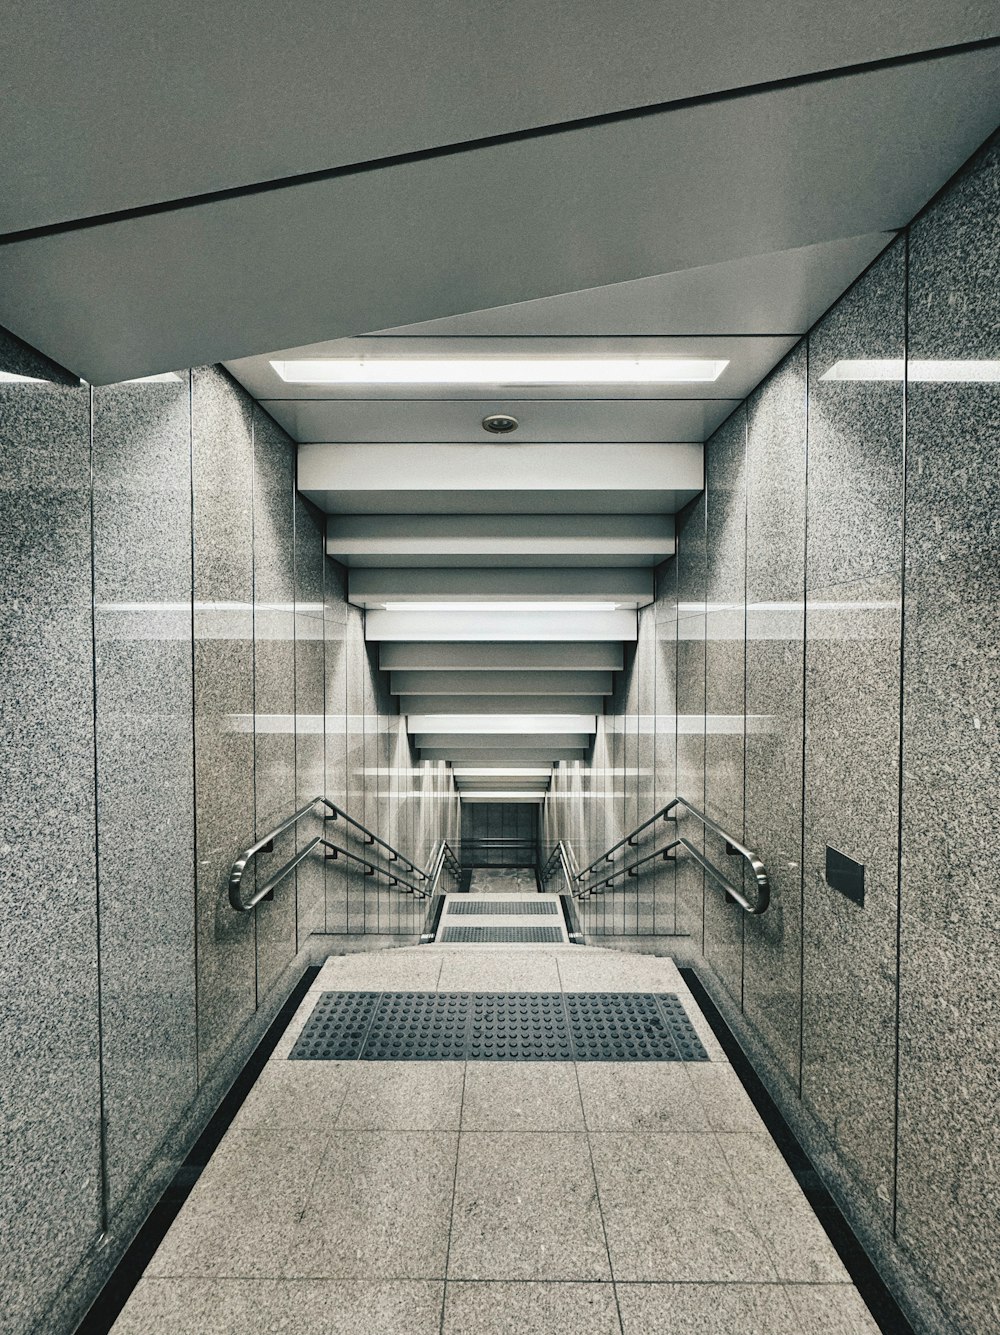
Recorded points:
(501, 723)
(929, 371)
(498, 606)
(500, 370)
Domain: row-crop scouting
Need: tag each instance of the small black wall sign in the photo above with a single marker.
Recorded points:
(845, 875)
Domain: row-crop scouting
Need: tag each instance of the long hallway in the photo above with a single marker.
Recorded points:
(505, 1193)
(499, 668)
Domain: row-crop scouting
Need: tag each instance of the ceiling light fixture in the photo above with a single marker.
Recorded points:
(501, 607)
(499, 370)
(919, 370)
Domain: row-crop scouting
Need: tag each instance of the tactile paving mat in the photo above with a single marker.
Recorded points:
(503, 908)
(488, 936)
(499, 1026)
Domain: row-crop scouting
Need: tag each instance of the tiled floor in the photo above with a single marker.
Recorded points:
(444, 1198)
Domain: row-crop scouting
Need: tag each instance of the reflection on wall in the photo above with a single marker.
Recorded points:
(826, 675)
(178, 663)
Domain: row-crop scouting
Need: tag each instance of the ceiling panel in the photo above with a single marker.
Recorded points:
(782, 293)
(568, 419)
(147, 101)
(577, 209)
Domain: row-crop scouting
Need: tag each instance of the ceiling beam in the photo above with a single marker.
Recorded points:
(548, 744)
(475, 756)
(523, 797)
(500, 626)
(501, 683)
(551, 656)
(510, 478)
(501, 704)
(619, 584)
(383, 540)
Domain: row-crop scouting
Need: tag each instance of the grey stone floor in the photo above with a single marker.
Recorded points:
(422, 1198)
(503, 881)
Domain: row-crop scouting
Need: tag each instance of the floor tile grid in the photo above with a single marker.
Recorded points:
(691, 1010)
(451, 1208)
(600, 1207)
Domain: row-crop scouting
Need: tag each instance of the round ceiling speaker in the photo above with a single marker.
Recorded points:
(500, 423)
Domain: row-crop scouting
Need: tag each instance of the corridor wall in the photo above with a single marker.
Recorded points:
(834, 607)
(179, 672)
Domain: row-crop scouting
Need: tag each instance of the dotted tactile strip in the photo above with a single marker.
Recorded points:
(504, 908)
(498, 1026)
(337, 1028)
(635, 1026)
(497, 936)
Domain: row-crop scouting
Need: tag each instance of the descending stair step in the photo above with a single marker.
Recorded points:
(503, 908)
(479, 935)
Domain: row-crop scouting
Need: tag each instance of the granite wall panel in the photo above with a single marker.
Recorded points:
(691, 710)
(310, 732)
(50, 1151)
(949, 1089)
(274, 687)
(725, 673)
(855, 512)
(223, 465)
(145, 768)
(665, 735)
(335, 672)
(775, 617)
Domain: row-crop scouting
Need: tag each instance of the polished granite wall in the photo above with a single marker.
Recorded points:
(629, 774)
(177, 658)
(833, 630)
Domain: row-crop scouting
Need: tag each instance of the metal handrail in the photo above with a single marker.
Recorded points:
(451, 857)
(561, 857)
(733, 847)
(334, 812)
(631, 870)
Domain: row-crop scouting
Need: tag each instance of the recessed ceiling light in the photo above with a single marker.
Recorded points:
(501, 607)
(502, 723)
(499, 370)
(892, 368)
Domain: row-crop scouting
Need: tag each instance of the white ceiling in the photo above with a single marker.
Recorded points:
(577, 208)
(131, 102)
